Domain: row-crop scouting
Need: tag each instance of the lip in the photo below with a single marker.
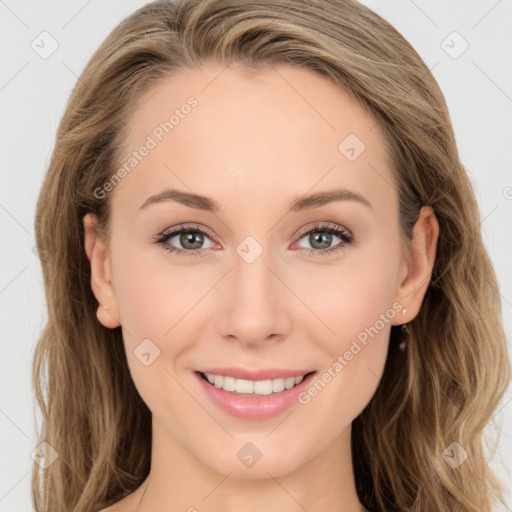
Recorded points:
(251, 407)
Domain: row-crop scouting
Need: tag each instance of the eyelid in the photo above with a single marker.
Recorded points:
(186, 226)
(318, 225)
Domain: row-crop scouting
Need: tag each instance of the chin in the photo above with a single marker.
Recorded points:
(257, 459)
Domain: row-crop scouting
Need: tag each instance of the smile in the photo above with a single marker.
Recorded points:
(258, 387)
(267, 394)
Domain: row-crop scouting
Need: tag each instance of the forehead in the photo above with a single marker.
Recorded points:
(281, 129)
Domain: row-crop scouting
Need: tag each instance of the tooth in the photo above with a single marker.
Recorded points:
(244, 386)
(278, 385)
(229, 384)
(289, 383)
(263, 387)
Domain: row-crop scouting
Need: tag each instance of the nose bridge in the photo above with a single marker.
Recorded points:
(254, 306)
(251, 273)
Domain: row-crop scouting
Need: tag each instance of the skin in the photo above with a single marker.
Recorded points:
(254, 143)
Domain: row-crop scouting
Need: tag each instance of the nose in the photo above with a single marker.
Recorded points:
(254, 303)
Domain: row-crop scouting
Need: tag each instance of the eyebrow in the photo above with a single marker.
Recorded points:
(298, 204)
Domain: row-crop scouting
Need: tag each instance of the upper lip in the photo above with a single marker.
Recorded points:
(255, 375)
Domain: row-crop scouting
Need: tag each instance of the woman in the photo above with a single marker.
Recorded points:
(248, 370)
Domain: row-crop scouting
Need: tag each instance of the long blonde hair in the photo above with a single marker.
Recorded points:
(442, 389)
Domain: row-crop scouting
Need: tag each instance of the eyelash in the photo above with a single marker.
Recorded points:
(343, 234)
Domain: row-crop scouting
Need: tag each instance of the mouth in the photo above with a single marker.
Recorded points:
(250, 399)
(246, 387)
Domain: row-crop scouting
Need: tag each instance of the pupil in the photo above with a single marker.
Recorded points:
(322, 237)
(189, 237)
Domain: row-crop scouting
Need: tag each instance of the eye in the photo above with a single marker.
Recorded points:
(192, 237)
(321, 238)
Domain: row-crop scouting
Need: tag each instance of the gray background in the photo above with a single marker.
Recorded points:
(33, 92)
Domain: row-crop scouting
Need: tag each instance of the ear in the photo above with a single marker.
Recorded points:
(416, 270)
(101, 275)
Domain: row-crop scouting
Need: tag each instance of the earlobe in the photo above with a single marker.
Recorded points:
(101, 275)
(422, 251)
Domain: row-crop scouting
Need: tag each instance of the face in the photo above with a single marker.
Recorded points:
(264, 283)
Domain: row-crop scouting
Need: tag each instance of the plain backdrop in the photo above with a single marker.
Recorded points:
(467, 44)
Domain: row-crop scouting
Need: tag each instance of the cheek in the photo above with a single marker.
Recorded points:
(357, 307)
(159, 306)
(142, 304)
(151, 304)
(152, 294)
(357, 302)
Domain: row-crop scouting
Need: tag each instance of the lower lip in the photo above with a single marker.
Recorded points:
(254, 407)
